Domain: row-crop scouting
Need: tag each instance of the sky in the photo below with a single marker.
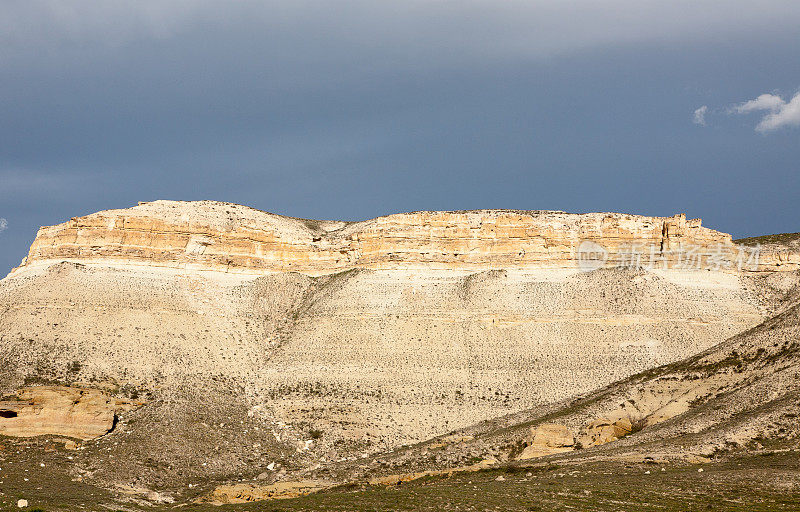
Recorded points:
(349, 110)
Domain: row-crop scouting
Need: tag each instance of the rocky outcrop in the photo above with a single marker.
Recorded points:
(779, 259)
(247, 492)
(605, 430)
(546, 439)
(231, 238)
(62, 411)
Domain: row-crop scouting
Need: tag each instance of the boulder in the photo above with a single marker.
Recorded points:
(605, 430)
(552, 435)
(546, 439)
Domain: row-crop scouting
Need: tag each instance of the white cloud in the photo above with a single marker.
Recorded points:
(700, 115)
(787, 115)
(780, 114)
(763, 102)
(3, 224)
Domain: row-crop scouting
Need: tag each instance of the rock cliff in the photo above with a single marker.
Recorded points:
(779, 252)
(310, 340)
(232, 238)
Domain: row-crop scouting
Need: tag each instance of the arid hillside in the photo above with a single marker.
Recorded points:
(740, 397)
(230, 343)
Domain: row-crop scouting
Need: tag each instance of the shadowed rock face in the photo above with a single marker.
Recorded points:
(369, 334)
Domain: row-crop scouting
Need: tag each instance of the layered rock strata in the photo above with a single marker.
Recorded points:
(63, 411)
(232, 238)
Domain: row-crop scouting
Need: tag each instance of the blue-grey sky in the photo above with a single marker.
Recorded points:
(353, 109)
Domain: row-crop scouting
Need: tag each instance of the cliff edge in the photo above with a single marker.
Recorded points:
(208, 235)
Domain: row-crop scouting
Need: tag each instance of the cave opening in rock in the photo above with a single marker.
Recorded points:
(8, 414)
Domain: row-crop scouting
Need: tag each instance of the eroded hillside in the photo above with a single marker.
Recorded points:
(742, 396)
(261, 345)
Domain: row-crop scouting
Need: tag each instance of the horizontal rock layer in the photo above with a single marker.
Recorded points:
(778, 259)
(232, 238)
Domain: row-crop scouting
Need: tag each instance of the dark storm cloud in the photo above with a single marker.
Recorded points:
(356, 109)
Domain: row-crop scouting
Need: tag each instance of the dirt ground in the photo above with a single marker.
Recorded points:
(41, 472)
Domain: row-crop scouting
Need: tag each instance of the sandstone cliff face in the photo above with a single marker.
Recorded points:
(232, 238)
(57, 410)
(777, 252)
(778, 259)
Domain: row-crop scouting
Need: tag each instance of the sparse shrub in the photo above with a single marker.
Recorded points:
(315, 433)
(129, 391)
